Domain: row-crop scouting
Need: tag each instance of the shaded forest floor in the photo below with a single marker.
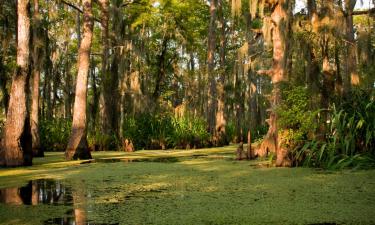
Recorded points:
(187, 187)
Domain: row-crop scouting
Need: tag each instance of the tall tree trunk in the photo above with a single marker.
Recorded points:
(37, 49)
(77, 147)
(281, 19)
(17, 144)
(104, 95)
(312, 70)
(95, 97)
(220, 122)
(351, 74)
(212, 96)
(3, 85)
(47, 104)
(161, 72)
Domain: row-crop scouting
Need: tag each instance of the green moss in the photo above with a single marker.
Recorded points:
(210, 189)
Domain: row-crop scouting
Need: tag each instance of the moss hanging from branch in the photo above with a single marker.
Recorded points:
(261, 8)
(236, 7)
(266, 30)
(253, 6)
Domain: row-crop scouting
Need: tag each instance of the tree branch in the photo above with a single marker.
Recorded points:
(76, 8)
(364, 12)
(130, 2)
(265, 72)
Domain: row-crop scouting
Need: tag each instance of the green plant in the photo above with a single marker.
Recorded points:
(54, 134)
(155, 131)
(350, 139)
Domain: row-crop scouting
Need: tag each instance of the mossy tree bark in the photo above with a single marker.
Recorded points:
(17, 144)
(77, 147)
(37, 53)
(212, 95)
(281, 19)
(351, 74)
(220, 122)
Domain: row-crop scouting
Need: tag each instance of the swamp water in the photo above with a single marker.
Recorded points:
(50, 192)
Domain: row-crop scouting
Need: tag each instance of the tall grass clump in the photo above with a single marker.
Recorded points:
(350, 136)
(164, 130)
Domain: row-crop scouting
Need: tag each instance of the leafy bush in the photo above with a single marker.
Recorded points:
(102, 142)
(155, 131)
(296, 120)
(188, 131)
(54, 134)
(350, 140)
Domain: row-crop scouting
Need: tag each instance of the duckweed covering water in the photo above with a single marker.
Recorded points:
(198, 187)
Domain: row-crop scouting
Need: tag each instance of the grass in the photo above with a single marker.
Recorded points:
(212, 189)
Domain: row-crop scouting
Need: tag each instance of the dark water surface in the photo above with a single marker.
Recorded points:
(43, 191)
(51, 192)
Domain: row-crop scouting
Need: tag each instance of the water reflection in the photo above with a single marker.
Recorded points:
(52, 192)
(74, 217)
(44, 191)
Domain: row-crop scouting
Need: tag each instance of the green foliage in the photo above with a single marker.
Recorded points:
(155, 131)
(296, 120)
(54, 134)
(350, 139)
(103, 142)
(189, 131)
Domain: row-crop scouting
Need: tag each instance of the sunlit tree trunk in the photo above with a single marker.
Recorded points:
(10, 196)
(77, 147)
(37, 52)
(17, 144)
(281, 19)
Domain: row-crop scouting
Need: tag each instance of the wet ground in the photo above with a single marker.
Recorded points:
(174, 188)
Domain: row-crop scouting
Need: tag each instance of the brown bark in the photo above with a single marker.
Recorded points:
(220, 122)
(16, 147)
(105, 93)
(281, 19)
(161, 72)
(351, 74)
(77, 147)
(10, 196)
(312, 68)
(3, 85)
(212, 96)
(37, 48)
(46, 103)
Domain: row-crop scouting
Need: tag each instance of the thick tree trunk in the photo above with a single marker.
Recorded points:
(17, 144)
(37, 48)
(77, 147)
(212, 96)
(220, 122)
(281, 19)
